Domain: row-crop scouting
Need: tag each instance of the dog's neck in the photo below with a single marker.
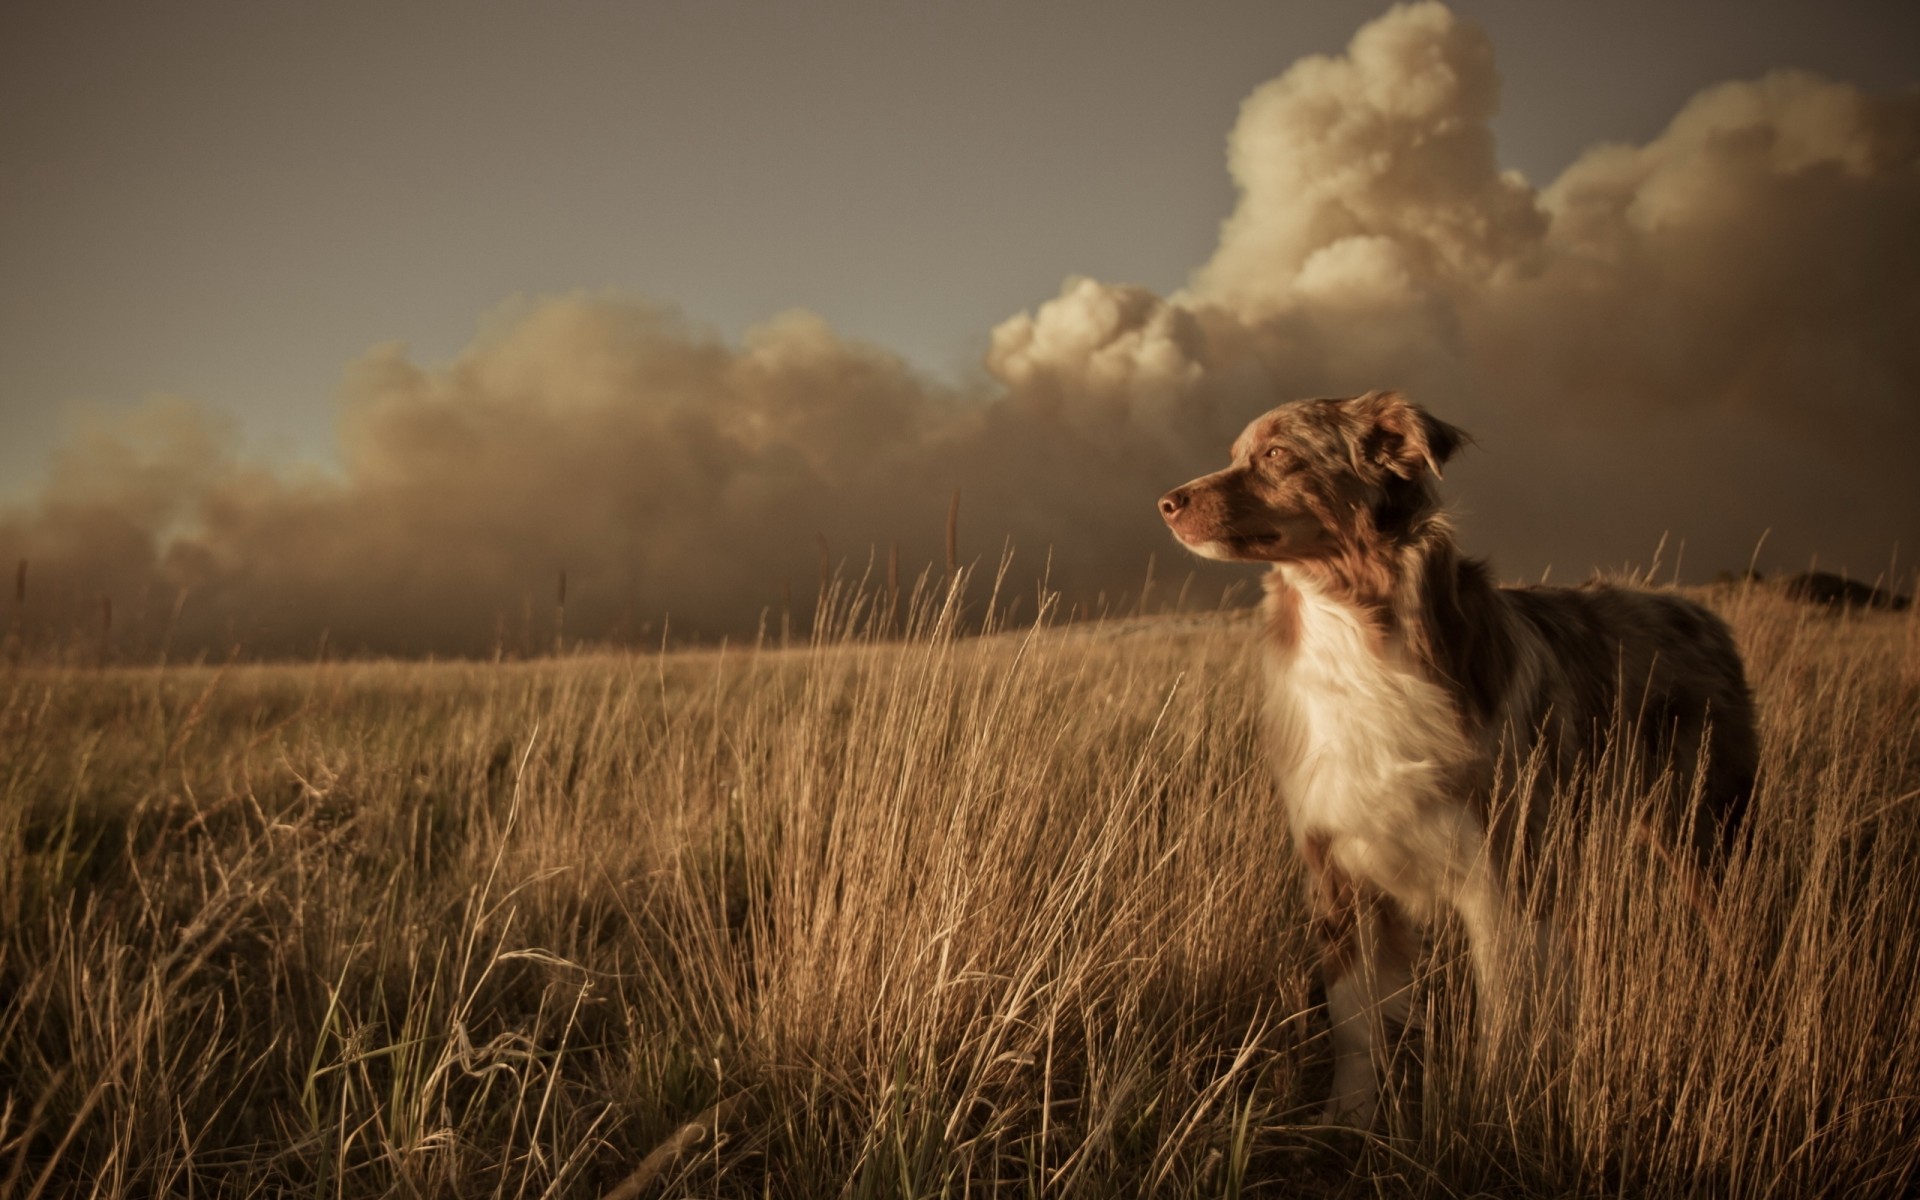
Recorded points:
(1421, 596)
(1379, 558)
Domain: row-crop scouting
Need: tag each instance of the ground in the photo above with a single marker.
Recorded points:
(926, 911)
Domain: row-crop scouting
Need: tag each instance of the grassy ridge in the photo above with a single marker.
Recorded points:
(921, 915)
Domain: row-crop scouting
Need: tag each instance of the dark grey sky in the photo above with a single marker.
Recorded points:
(232, 201)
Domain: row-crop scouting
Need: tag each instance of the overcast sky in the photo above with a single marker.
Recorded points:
(381, 237)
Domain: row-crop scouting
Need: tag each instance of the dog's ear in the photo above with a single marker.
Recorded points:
(1398, 435)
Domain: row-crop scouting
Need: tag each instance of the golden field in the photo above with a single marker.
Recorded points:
(894, 912)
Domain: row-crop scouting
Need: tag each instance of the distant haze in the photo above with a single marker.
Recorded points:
(1711, 335)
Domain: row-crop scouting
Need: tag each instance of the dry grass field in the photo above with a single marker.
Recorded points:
(922, 915)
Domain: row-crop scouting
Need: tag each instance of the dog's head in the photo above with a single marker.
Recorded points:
(1313, 479)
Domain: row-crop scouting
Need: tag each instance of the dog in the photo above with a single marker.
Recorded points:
(1423, 723)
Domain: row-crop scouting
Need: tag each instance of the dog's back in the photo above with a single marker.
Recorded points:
(1644, 689)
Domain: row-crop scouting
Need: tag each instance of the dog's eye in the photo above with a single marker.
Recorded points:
(1272, 452)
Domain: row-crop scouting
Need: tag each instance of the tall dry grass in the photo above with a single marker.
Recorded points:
(903, 916)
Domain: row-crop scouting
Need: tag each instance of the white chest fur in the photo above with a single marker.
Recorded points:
(1369, 754)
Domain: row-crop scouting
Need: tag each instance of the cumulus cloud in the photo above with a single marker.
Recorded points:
(1112, 341)
(1370, 178)
(1710, 335)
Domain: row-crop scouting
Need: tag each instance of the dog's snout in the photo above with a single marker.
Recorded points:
(1173, 502)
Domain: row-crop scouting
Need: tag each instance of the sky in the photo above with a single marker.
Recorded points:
(278, 282)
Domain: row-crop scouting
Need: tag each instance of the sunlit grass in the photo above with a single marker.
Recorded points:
(920, 914)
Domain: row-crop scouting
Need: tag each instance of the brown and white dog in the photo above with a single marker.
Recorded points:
(1406, 692)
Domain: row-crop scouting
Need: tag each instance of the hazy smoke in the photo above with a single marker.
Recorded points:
(1711, 334)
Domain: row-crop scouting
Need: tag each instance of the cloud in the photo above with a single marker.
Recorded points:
(1116, 342)
(1370, 178)
(666, 472)
(1709, 335)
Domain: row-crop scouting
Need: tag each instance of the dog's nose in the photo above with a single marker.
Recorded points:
(1173, 502)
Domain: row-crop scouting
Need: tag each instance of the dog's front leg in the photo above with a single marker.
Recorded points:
(1366, 962)
(1509, 954)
